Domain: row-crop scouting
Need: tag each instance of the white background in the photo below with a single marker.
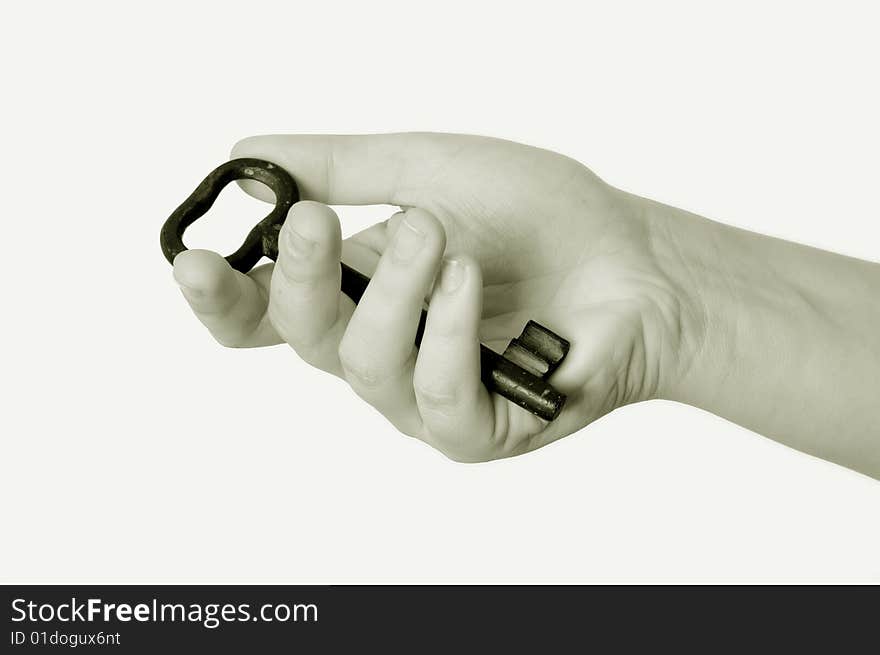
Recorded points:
(135, 449)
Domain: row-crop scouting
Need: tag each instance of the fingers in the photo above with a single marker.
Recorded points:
(377, 352)
(230, 304)
(352, 170)
(455, 406)
(305, 304)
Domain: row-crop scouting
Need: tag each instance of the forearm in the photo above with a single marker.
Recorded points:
(778, 337)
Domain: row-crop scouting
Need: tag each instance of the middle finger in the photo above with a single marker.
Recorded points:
(377, 352)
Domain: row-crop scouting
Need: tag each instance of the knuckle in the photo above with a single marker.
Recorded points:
(295, 271)
(360, 370)
(436, 395)
(278, 319)
(389, 285)
(302, 318)
(304, 342)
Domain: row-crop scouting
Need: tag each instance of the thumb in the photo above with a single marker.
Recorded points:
(353, 170)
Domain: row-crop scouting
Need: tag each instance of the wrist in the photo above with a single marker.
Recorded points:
(694, 255)
(777, 337)
(752, 306)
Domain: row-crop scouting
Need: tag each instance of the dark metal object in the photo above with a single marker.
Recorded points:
(520, 375)
(263, 238)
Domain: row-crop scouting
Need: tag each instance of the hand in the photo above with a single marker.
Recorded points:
(516, 233)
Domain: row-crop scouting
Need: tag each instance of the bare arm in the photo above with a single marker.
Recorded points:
(789, 344)
(657, 302)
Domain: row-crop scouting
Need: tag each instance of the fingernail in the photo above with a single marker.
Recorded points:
(408, 241)
(298, 245)
(451, 275)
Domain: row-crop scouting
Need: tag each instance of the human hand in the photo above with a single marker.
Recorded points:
(516, 233)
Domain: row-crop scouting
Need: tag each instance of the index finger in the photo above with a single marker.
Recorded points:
(353, 170)
(230, 304)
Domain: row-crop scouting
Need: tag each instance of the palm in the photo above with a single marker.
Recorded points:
(598, 286)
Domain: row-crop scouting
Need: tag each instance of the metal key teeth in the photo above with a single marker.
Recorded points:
(538, 350)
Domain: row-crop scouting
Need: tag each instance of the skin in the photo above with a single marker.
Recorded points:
(657, 302)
